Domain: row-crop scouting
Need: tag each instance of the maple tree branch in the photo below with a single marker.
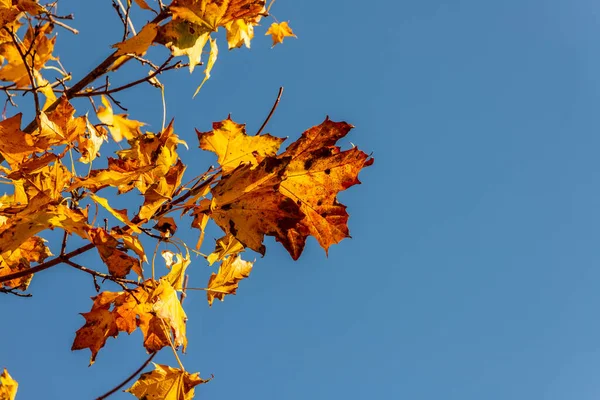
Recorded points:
(272, 111)
(130, 377)
(47, 264)
(106, 91)
(99, 274)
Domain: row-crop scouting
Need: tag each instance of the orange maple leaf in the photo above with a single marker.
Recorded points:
(153, 307)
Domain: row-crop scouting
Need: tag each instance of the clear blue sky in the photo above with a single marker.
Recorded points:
(473, 272)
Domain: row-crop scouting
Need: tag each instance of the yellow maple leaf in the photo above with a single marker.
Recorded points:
(8, 386)
(232, 270)
(166, 383)
(119, 126)
(278, 31)
(229, 141)
(139, 43)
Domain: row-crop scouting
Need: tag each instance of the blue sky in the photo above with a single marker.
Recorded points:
(473, 268)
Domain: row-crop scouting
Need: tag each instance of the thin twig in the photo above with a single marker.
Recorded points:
(130, 377)
(272, 111)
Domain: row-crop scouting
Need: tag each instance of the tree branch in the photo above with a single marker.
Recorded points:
(47, 264)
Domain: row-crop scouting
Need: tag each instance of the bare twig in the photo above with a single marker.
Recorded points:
(130, 377)
(272, 111)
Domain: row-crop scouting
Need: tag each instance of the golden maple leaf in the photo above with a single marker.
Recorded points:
(166, 383)
(232, 270)
(278, 31)
(153, 307)
(229, 141)
(8, 386)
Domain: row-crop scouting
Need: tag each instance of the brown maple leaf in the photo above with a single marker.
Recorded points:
(317, 172)
(248, 205)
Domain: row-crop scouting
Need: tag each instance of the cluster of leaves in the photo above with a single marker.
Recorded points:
(256, 190)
